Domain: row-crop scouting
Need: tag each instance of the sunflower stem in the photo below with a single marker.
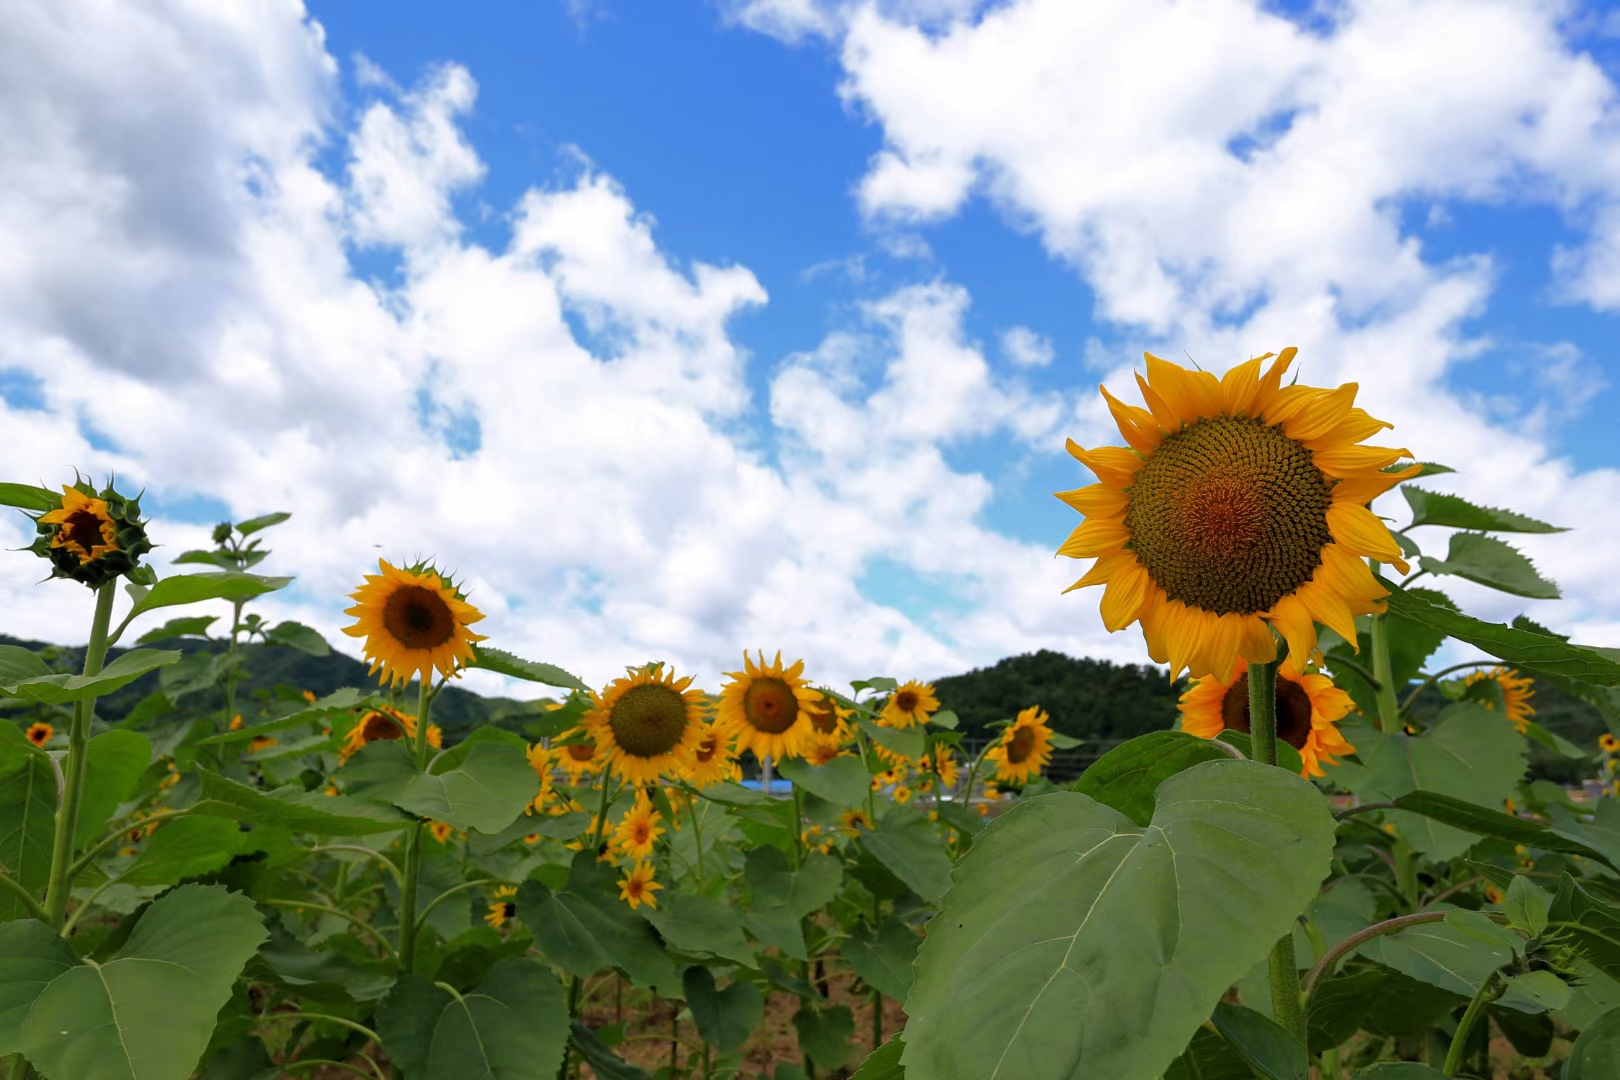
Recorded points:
(67, 814)
(1389, 709)
(413, 843)
(1492, 988)
(1285, 998)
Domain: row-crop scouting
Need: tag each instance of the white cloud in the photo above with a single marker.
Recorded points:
(1026, 348)
(606, 494)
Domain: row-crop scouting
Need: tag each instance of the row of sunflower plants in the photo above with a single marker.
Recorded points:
(1337, 866)
(287, 885)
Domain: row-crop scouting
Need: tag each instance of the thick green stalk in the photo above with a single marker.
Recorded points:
(1389, 708)
(1492, 988)
(413, 843)
(67, 814)
(1285, 998)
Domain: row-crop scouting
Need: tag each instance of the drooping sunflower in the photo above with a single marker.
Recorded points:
(386, 724)
(502, 910)
(1516, 694)
(1240, 505)
(39, 732)
(639, 830)
(1025, 747)
(647, 724)
(578, 757)
(913, 703)
(1309, 708)
(712, 759)
(637, 887)
(414, 622)
(767, 708)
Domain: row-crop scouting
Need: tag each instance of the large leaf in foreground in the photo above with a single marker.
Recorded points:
(117, 760)
(145, 1015)
(908, 844)
(1127, 776)
(585, 927)
(513, 1027)
(1099, 946)
(27, 817)
(1596, 1054)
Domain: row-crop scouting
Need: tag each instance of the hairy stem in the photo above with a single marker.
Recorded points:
(1492, 988)
(1389, 709)
(413, 843)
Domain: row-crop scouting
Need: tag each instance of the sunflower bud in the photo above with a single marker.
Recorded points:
(92, 537)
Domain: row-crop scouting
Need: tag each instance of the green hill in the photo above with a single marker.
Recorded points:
(1088, 699)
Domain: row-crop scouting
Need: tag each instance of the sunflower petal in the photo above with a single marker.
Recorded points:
(1093, 537)
(1362, 533)
(1349, 461)
(1239, 385)
(1354, 427)
(1136, 424)
(1167, 418)
(1122, 600)
(1322, 414)
(1290, 616)
(1271, 381)
(1360, 490)
(1096, 500)
(1257, 644)
(1103, 570)
(1115, 466)
(1190, 395)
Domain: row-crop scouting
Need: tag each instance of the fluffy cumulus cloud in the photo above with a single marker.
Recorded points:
(563, 421)
(1228, 180)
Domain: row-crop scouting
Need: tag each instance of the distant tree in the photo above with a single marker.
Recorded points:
(1088, 699)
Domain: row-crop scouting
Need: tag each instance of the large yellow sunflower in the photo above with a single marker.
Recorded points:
(414, 622)
(647, 724)
(1516, 694)
(1025, 747)
(768, 708)
(1309, 708)
(386, 724)
(913, 703)
(84, 525)
(712, 759)
(1240, 503)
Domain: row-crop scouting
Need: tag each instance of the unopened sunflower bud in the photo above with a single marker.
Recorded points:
(92, 537)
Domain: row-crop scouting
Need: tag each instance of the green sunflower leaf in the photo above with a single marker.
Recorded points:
(513, 1027)
(842, 781)
(883, 957)
(28, 497)
(294, 808)
(1592, 925)
(772, 884)
(585, 927)
(1098, 947)
(296, 635)
(1532, 652)
(1456, 955)
(725, 1018)
(485, 791)
(341, 700)
(1596, 1054)
(908, 844)
(884, 1062)
(117, 760)
(1484, 821)
(1376, 999)
(701, 926)
(1437, 508)
(1127, 776)
(263, 521)
(600, 1057)
(191, 588)
(1485, 560)
(185, 626)
(1399, 1070)
(1471, 754)
(907, 742)
(61, 689)
(825, 1033)
(1262, 1042)
(147, 1013)
(515, 667)
(27, 817)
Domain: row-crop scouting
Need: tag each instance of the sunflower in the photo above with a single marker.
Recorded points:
(1516, 694)
(385, 724)
(912, 703)
(894, 774)
(647, 724)
(901, 794)
(941, 763)
(854, 820)
(1308, 711)
(1240, 503)
(1606, 742)
(1025, 747)
(579, 757)
(260, 742)
(637, 887)
(768, 708)
(39, 732)
(84, 526)
(502, 910)
(236, 722)
(441, 831)
(830, 720)
(820, 752)
(639, 830)
(712, 759)
(414, 622)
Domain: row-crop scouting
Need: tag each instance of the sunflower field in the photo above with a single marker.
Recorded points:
(1332, 864)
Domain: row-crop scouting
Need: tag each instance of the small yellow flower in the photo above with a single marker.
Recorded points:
(236, 722)
(639, 830)
(637, 887)
(1510, 806)
(853, 821)
(502, 910)
(309, 696)
(441, 831)
(1516, 694)
(386, 724)
(39, 732)
(902, 794)
(1608, 743)
(260, 742)
(531, 839)
(913, 703)
(1493, 895)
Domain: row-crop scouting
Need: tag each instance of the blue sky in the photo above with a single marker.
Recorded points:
(686, 327)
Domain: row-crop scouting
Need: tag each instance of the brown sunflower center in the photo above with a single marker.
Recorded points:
(906, 701)
(418, 618)
(1022, 745)
(1293, 710)
(707, 749)
(581, 751)
(377, 726)
(769, 706)
(83, 530)
(648, 720)
(39, 734)
(1229, 515)
(640, 831)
